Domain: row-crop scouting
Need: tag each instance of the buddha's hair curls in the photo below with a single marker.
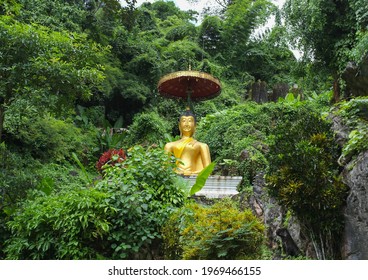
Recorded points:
(188, 113)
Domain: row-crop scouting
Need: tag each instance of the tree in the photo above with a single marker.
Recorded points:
(310, 186)
(55, 14)
(164, 9)
(48, 68)
(268, 58)
(242, 18)
(327, 32)
(210, 33)
(97, 18)
(9, 7)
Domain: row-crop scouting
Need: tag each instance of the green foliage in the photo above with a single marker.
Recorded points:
(21, 173)
(329, 33)
(52, 58)
(263, 55)
(119, 218)
(241, 19)
(180, 32)
(67, 225)
(17, 175)
(219, 231)
(210, 35)
(81, 166)
(56, 14)
(357, 141)
(202, 178)
(268, 64)
(87, 117)
(355, 116)
(9, 7)
(237, 138)
(49, 69)
(181, 54)
(292, 141)
(144, 192)
(147, 128)
(111, 137)
(360, 50)
(165, 9)
(50, 139)
(243, 16)
(303, 175)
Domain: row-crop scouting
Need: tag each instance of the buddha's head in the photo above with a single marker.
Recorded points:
(187, 123)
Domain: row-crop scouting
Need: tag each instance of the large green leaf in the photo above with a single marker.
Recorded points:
(202, 178)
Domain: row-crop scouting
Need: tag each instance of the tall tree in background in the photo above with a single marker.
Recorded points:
(47, 68)
(157, 38)
(236, 41)
(330, 33)
(210, 35)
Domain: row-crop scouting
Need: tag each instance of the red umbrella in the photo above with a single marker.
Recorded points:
(193, 85)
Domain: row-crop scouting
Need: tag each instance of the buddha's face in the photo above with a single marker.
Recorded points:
(187, 125)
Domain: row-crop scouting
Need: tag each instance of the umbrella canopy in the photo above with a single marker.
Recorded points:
(193, 85)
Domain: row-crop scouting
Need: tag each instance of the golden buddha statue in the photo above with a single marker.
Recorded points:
(192, 155)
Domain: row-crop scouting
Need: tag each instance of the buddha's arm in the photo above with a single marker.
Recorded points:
(169, 148)
(205, 155)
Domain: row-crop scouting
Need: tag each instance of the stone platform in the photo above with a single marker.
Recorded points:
(217, 186)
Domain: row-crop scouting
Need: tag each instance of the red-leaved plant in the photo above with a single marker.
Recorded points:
(110, 157)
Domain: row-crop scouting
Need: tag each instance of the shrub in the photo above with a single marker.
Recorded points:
(118, 218)
(303, 175)
(144, 193)
(237, 139)
(110, 157)
(67, 225)
(219, 231)
(53, 140)
(355, 116)
(147, 128)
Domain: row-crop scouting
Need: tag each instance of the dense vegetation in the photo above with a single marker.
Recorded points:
(78, 90)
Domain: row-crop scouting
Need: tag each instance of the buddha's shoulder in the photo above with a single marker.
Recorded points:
(172, 144)
(202, 144)
(198, 143)
(169, 145)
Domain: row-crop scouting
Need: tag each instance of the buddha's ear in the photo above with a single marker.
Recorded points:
(181, 134)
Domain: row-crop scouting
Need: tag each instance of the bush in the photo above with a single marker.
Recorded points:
(53, 140)
(21, 173)
(144, 193)
(303, 175)
(147, 128)
(355, 116)
(118, 218)
(237, 139)
(110, 157)
(219, 231)
(68, 225)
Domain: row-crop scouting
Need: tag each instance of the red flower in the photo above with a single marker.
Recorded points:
(110, 157)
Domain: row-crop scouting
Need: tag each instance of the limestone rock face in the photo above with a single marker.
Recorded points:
(356, 78)
(355, 176)
(273, 215)
(355, 245)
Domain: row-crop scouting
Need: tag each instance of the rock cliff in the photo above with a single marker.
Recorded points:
(355, 175)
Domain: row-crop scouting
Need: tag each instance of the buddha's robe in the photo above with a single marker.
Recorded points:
(190, 154)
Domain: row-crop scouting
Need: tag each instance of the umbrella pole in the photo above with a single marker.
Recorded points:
(189, 100)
